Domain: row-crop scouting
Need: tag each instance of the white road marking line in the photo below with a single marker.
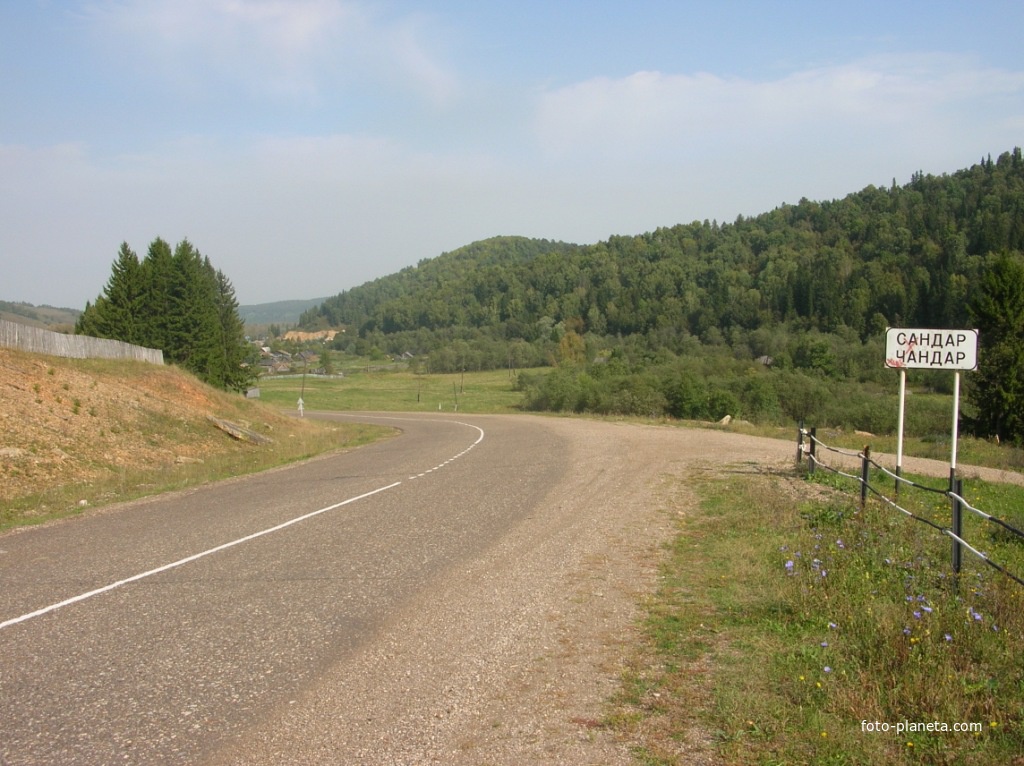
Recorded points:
(189, 559)
(225, 546)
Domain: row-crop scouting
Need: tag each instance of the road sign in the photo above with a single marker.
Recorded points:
(931, 349)
(954, 350)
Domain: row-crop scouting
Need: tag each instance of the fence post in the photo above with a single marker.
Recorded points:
(956, 486)
(811, 459)
(864, 466)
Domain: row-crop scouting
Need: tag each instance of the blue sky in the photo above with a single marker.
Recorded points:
(308, 146)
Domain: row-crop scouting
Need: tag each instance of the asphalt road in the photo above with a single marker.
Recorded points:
(157, 631)
(461, 594)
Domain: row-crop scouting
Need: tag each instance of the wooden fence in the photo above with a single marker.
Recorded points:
(40, 341)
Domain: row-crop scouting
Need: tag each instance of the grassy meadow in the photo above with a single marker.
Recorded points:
(794, 627)
(384, 390)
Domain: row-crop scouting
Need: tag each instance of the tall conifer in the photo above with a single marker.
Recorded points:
(156, 308)
(997, 387)
(179, 303)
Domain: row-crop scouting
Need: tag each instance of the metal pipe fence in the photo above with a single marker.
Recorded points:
(809, 446)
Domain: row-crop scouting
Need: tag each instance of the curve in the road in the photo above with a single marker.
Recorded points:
(224, 546)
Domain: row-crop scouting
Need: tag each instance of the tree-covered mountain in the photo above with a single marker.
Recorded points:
(277, 312)
(789, 284)
(905, 255)
(474, 286)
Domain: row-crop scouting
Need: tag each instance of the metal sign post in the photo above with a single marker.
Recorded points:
(930, 350)
(954, 350)
(956, 423)
(899, 427)
(955, 484)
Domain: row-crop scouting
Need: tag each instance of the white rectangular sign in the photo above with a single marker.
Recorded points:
(931, 349)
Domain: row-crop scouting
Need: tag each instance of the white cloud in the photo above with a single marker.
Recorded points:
(304, 48)
(651, 114)
(287, 28)
(290, 216)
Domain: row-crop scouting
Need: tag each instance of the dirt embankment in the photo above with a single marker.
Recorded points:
(69, 422)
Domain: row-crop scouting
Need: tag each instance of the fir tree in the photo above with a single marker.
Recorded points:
(997, 387)
(179, 303)
(156, 304)
(193, 327)
(239, 372)
(116, 313)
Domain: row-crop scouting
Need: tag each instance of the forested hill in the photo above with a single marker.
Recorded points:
(900, 256)
(454, 289)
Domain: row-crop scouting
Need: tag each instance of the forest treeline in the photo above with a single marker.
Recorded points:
(806, 288)
(176, 301)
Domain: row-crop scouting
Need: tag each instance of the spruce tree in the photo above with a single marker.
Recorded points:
(193, 327)
(997, 387)
(156, 303)
(90, 322)
(124, 296)
(116, 311)
(176, 302)
(238, 372)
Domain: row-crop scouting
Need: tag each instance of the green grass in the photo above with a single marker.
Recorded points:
(787, 616)
(395, 391)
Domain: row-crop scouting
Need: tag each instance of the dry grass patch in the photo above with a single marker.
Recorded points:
(80, 433)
